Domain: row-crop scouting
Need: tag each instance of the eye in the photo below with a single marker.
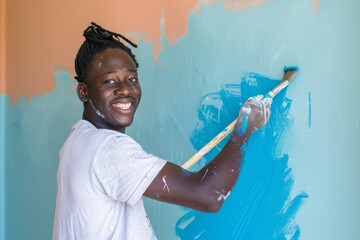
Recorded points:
(133, 80)
(109, 81)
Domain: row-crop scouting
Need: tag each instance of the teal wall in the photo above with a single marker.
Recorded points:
(36, 129)
(2, 166)
(313, 157)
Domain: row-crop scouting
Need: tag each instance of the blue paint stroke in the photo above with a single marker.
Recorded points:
(309, 114)
(244, 125)
(260, 206)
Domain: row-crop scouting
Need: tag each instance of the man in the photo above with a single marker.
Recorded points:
(103, 173)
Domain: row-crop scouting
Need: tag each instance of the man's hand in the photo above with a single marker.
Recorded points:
(254, 114)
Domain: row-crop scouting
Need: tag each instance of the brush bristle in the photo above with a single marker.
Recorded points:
(290, 72)
(289, 68)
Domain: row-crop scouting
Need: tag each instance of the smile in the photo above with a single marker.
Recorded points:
(122, 106)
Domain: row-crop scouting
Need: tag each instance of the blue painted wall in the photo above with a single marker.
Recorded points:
(310, 148)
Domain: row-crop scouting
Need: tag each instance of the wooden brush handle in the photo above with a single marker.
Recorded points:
(210, 145)
(278, 89)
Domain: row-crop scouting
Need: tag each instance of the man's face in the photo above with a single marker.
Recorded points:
(113, 90)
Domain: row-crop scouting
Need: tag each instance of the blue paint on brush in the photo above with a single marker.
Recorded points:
(288, 68)
(260, 206)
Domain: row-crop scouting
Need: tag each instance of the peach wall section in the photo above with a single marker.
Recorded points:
(42, 36)
(317, 5)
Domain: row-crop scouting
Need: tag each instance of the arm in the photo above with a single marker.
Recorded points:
(207, 189)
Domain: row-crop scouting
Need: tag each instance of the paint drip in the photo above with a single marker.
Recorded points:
(96, 110)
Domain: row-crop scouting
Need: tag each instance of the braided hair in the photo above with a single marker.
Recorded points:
(98, 39)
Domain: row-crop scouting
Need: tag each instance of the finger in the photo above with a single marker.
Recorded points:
(250, 100)
(267, 100)
(248, 105)
(258, 98)
(246, 109)
(266, 103)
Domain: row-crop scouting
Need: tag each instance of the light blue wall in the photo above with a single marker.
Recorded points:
(36, 130)
(2, 166)
(306, 182)
(326, 156)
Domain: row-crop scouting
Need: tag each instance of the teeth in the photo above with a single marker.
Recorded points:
(123, 106)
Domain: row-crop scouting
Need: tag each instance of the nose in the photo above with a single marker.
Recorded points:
(122, 89)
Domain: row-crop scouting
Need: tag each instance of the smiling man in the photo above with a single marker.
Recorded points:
(111, 92)
(103, 173)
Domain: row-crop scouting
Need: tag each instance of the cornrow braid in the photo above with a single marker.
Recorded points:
(98, 39)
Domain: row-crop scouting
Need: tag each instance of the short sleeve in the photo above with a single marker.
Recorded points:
(124, 169)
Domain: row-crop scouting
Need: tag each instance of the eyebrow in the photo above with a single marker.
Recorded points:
(128, 70)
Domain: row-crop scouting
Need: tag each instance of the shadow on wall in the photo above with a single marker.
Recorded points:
(260, 206)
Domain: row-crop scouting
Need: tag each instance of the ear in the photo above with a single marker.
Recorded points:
(82, 92)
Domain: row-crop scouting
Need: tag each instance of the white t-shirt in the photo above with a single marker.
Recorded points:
(102, 176)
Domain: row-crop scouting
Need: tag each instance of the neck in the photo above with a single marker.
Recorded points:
(101, 125)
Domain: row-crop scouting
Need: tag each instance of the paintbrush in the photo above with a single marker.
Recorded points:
(289, 74)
